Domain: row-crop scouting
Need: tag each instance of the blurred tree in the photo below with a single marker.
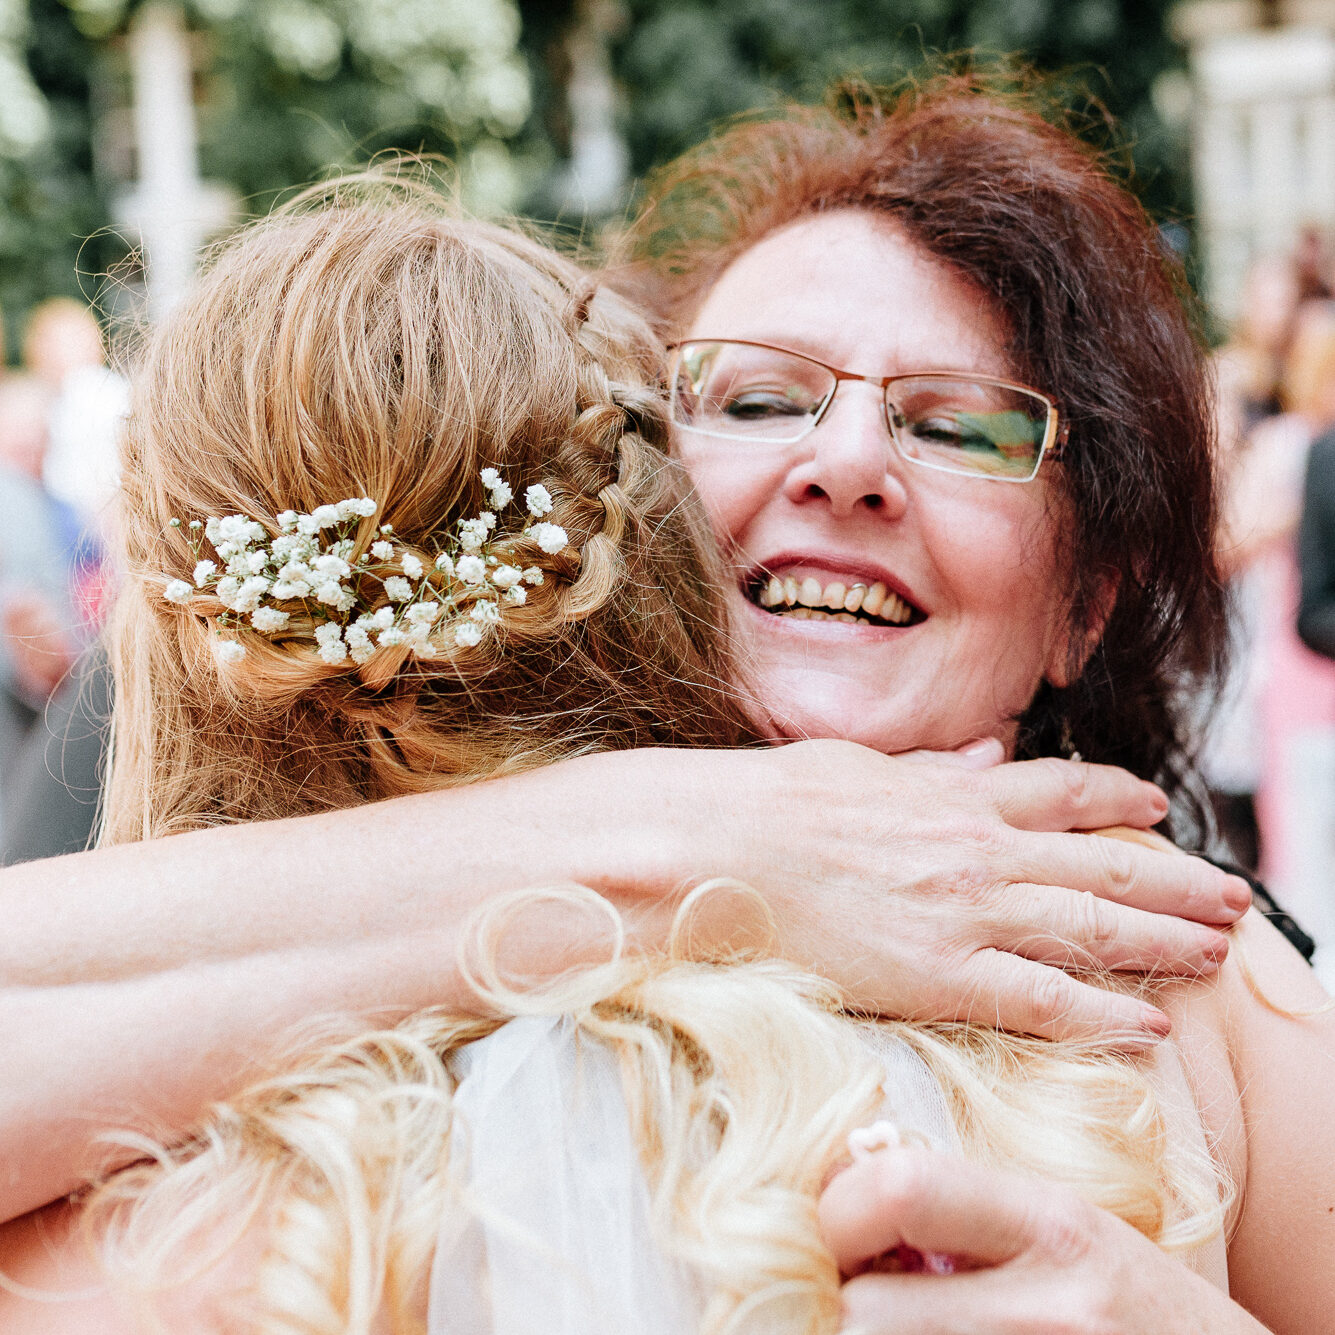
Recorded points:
(688, 63)
(285, 90)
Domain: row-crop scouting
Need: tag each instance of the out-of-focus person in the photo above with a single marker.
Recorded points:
(64, 349)
(1259, 344)
(37, 537)
(1295, 801)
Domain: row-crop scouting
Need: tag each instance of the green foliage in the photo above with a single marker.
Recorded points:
(687, 64)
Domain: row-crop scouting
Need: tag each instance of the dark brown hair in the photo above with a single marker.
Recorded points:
(1098, 316)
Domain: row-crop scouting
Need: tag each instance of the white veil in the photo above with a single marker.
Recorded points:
(553, 1234)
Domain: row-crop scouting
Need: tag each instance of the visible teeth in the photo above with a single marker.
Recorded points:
(809, 593)
(835, 602)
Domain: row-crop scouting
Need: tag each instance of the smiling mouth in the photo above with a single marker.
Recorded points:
(855, 604)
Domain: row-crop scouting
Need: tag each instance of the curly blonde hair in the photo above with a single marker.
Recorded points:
(382, 346)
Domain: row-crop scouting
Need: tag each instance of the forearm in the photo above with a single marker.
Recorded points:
(139, 984)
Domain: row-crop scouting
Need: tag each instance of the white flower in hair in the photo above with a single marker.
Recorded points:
(315, 568)
(269, 619)
(471, 569)
(330, 639)
(472, 534)
(552, 538)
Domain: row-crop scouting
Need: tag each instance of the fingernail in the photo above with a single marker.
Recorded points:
(1158, 803)
(981, 747)
(1237, 894)
(1155, 1023)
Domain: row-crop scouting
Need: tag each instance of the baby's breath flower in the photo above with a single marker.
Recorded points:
(444, 563)
(177, 591)
(382, 551)
(256, 562)
(503, 577)
(228, 652)
(538, 500)
(499, 492)
(173, 523)
(228, 587)
(359, 643)
(268, 619)
(412, 567)
(325, 516)
(195, 524)
(382, 618)
(485, 612)
(517, 595)
(472, 534)
(203, 570)
(249, 594)
(332, 649)
(551, 538)
(423, 614)
(468, 633)
(487, 519)
(391, 637)
(533, 576)
(329, 592)
(471, 569)
(283, 589)
(287, 521)
(332, 567)
(356, 507)
(397, 589)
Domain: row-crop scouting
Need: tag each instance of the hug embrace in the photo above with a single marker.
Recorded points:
(653, 714)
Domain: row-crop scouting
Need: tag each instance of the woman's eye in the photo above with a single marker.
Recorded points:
(751, 404)
(951, 431)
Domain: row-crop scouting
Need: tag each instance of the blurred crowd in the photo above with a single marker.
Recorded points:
(59, 415)
(1270, 751)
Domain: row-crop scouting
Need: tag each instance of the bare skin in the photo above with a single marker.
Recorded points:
(138, 984)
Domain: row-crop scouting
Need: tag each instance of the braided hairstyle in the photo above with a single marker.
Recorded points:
(368, 341)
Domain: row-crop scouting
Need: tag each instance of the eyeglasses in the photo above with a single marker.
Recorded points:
(975, 425)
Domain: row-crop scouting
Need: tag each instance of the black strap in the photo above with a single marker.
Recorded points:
(1265, 901)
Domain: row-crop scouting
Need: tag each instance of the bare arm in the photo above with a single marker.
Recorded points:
(137, 984)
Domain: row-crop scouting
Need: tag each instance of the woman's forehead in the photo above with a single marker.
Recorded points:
(852, 289)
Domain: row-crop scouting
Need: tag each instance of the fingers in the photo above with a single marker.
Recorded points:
(915, 1197)
(1025, 997)
(1071, 795)
(1080, 931)
(1141, 878)
(982, 754)
(986, 1302)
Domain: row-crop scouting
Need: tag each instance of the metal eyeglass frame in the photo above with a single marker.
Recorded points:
(1054, 440)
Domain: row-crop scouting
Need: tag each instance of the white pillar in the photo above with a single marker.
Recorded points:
(166, 206)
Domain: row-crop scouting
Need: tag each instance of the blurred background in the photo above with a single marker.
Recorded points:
(134, 131)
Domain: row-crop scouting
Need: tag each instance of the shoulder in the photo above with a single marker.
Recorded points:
(1258, 1044)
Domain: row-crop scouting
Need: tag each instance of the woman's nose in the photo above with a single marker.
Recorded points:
(851, 461)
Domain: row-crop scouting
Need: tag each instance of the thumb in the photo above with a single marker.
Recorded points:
(931, 1202)
(981, 754)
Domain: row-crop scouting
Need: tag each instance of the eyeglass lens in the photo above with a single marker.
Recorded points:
(764, 395)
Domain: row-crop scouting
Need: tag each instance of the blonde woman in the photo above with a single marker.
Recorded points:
(461, 460)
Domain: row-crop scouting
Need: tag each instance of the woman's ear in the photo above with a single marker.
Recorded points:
(1072, 651)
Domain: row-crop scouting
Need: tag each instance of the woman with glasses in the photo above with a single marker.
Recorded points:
(1045, 596)
(640, 1144)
